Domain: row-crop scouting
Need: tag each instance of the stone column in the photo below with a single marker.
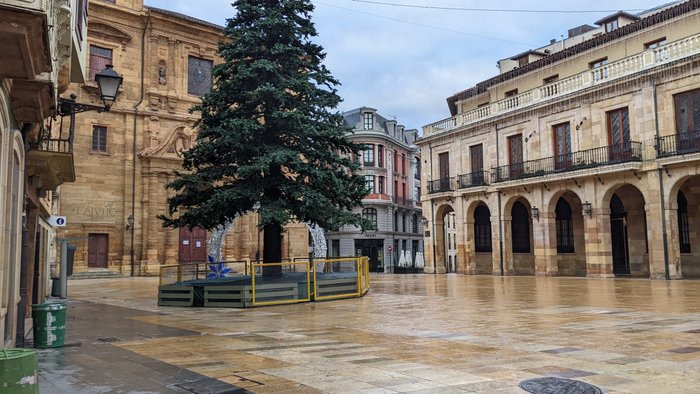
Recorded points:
(599, 262)
(545, 239)
(654, 233)
(674, 249)
(495, 245)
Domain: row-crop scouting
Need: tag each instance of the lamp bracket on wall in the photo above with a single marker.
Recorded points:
(667, 171)
(634, 172)
(600, 180)
(525, 188)
(576, 183)
(544, 185)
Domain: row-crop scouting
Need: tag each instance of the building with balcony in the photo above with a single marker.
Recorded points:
(42, 47)
(391, 167)
(581, 158)
(126, 157)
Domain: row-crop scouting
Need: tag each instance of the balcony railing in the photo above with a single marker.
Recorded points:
(678, 144)
(605, 155)
(478, 178)
(441, 185)
(55, 145)
(683, 48)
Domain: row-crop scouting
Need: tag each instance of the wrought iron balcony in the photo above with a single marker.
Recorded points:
(403, 201)
(678, 144)
(478, 178)
(590, 158)
(441, 185)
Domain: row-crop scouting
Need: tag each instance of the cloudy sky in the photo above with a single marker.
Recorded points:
(405, 61)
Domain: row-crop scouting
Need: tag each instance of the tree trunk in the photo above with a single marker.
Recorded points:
(272, 249)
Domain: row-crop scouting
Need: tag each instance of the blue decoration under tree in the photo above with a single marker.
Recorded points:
(217, 270)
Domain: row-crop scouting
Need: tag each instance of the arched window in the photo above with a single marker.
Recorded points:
(565, 227)
(683, 228)
(520, 228)
(371, 215)
(482, 229)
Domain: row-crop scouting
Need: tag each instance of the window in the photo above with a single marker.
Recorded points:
(619, 134)
(688, 112)
(551, 79)
(655, 43)
(598, 63)
(476, 154)
(396, 161)
(396, 190)
(380, 155)
(683, 227)
(80, 20)
(562, 145)
(369, 184)
(99, 59)
(523, 61)
(380, 184)
(109, 1)
(403, 164)
(511, 93)
(396, 222)
(371, 215)
(520, 228)
(199, 76)
(482, 229)
(417, 174)
(600, 71)
(515, 155)
(610, 26)
(369, 120)
(415, 225)
(368, 156)
(403, 222)
(335, 248)
(565, 227)
(99, 139)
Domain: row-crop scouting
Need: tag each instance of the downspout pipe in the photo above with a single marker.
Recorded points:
(500, 216)
(432, 211)
(662, 193)
(133, 142)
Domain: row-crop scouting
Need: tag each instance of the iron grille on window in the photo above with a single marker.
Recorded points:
(683, 227)
(520, 227)
(565, 227)
(482, 229)
(199, 76)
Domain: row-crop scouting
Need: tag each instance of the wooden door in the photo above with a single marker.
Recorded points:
(562, 146)
(444, 159)
(515, 155)
(193, 245)
(97, 250)
(688, 121)
(476, 154)
(619, 135)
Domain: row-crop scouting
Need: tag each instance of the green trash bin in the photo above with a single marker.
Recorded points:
(49, 324)
(18, 371)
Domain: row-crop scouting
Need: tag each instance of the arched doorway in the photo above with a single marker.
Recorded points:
(445, 240)
(521, 238)
(688, 221)
(628, 235)
(569, 235)
(482, 240)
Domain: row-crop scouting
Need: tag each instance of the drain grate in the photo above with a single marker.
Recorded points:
(552, 385)
(108, 340)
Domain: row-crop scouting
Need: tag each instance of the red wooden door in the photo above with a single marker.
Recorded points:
(193, 245)
(97, 250)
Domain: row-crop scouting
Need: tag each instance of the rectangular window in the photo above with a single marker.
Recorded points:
(380, 184)
(403, 164)
(417, 173)
(444, 160)
(369, 184)
(368, 120)
(687, 107)
(198, 76)
(599, 69)
(380, 155)
(610, 26)
(396, 190)
(396, 161)
(551, 79)
(99, 59)
(368, 156)
(562, 145)
(515, 155)
(99, 139)
(619, 134)
(476, 153)
(80, 20)
(523, 61)
(656, 43)
(511, 93)
(335, 248)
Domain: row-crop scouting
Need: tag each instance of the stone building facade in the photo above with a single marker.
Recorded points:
(125, 157)
(582, 158)
(42, 48)
(390, 164)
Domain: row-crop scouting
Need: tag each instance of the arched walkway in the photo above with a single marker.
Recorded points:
(519, 238)
(628, 233)
(684, 230)
(567, 234)
(482, 239)
(446, 240)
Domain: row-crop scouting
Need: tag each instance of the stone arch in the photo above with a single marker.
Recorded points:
(628, 235)
(480, 240)
(566, 241)
(683, 222)
(445, 239)
(518, 237)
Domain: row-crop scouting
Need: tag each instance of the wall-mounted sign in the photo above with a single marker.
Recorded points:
(57, 221)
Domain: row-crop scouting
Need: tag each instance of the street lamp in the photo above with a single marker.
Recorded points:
(108, 83)
(587, 208)
(535, 213)
(130, 222)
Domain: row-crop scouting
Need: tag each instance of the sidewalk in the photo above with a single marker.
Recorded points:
(411, 333)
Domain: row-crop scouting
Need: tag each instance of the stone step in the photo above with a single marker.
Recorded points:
(101, 274)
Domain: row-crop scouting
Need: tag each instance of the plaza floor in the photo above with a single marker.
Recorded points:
(411, 333)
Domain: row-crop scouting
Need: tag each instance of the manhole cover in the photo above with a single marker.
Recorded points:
(108, 340)
(552, 385)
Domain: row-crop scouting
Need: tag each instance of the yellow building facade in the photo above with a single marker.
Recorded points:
(125, 157)
(581, 158)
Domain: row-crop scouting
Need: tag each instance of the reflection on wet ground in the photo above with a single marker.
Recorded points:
(412, 333)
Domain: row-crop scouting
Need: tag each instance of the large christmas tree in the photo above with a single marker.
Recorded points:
(269, 138)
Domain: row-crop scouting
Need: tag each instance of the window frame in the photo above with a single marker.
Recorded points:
(655, 43)
(99, 139)
(368, 155)
(368, 121)
(371, 215)
(190, 83)
(94, 69)
(520, 229)
(368, 179)
(564, 223)
(482, 230)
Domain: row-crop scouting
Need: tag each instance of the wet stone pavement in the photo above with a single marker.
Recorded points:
(411, 333)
